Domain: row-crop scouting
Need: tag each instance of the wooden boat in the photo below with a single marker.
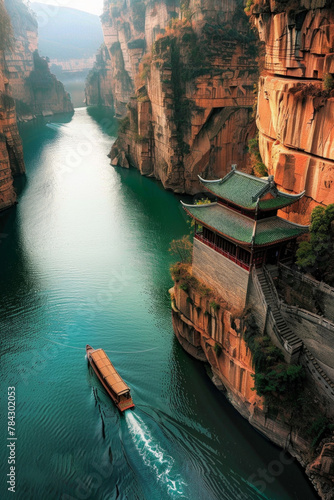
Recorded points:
(109, 378)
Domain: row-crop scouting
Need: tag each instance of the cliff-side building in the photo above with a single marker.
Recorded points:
(239, 231)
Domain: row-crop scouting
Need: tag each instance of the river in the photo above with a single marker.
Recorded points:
(84, 259)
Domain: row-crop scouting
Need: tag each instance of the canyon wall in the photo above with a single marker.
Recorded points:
(11, 153)
(215, 332)
(35, 89)
(98, 90)
(182, 78)
(295, 109)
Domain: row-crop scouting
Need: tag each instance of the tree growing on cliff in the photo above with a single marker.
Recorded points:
(315, 255)
(328, 82)
(182, 248)
(259, 168)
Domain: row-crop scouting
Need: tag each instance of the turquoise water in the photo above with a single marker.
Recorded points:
(84, 259)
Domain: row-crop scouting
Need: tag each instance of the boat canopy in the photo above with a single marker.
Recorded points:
(109, 373)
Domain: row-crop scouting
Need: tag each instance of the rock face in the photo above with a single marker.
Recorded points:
(35, 89)
(212, 331)
(295, 102)
(98, 90)
(183, 78)
(11, 153)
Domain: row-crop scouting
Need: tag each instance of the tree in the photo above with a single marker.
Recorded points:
(315, 255)
(328, 82)
(182, 248)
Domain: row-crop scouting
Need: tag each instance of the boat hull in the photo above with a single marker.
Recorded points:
(122, 406)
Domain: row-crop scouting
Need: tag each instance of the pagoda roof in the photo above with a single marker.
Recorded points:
(242, 229)
(246, 190)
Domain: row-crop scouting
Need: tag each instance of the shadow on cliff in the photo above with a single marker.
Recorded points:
(105, 119)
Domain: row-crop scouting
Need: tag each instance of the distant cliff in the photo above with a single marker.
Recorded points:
(296, 97)
(181, 75)
(11, 153)
(98, 90)
(35, 89)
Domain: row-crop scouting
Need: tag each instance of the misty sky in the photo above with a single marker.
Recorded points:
(92, 6)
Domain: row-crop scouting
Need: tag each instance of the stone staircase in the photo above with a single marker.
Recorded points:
(269, 291)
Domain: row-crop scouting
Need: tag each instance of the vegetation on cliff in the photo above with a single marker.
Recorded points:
(182, 248)
(283, 386)
(258, 167)
(181, 275)
(316, 254)
(5, 28)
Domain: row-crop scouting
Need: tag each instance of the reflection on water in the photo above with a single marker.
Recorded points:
(86, 260)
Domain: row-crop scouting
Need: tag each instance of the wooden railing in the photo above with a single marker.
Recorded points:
(228, 255)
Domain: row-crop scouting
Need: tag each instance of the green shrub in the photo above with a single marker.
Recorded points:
(214, 305)
(218, 349)
(248, 6)
(328, 82)
(259, 168)
(316, 255)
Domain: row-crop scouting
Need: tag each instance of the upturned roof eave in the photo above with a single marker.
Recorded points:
(291, 198)
(243, 242)
(214, 229)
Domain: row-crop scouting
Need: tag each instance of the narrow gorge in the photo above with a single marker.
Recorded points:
(181, 78)
(28, 90)
(197, 87)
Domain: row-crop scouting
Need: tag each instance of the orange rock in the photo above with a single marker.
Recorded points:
(295, 115)
(11, 152)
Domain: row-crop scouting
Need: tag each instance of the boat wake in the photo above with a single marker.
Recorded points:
(154, 456)
(55, 126)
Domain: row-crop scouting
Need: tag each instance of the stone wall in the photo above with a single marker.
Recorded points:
(257, 304)
(306, 292)
(317, 338)
(228, 279)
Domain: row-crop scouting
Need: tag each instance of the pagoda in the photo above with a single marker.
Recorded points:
(241, 231)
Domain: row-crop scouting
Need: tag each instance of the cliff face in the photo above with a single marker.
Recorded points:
(35, 89)
(11, 153)
(212, 332)
(98, 90)
(186, 73)
(295, 102)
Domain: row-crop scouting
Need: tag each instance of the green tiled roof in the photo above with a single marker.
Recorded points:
(244, 190)
(240, 228)
(275, 229)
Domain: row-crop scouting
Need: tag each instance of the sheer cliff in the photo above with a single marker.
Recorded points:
(11, 153)
(182, 78)
(296, 97)
(35, 89)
